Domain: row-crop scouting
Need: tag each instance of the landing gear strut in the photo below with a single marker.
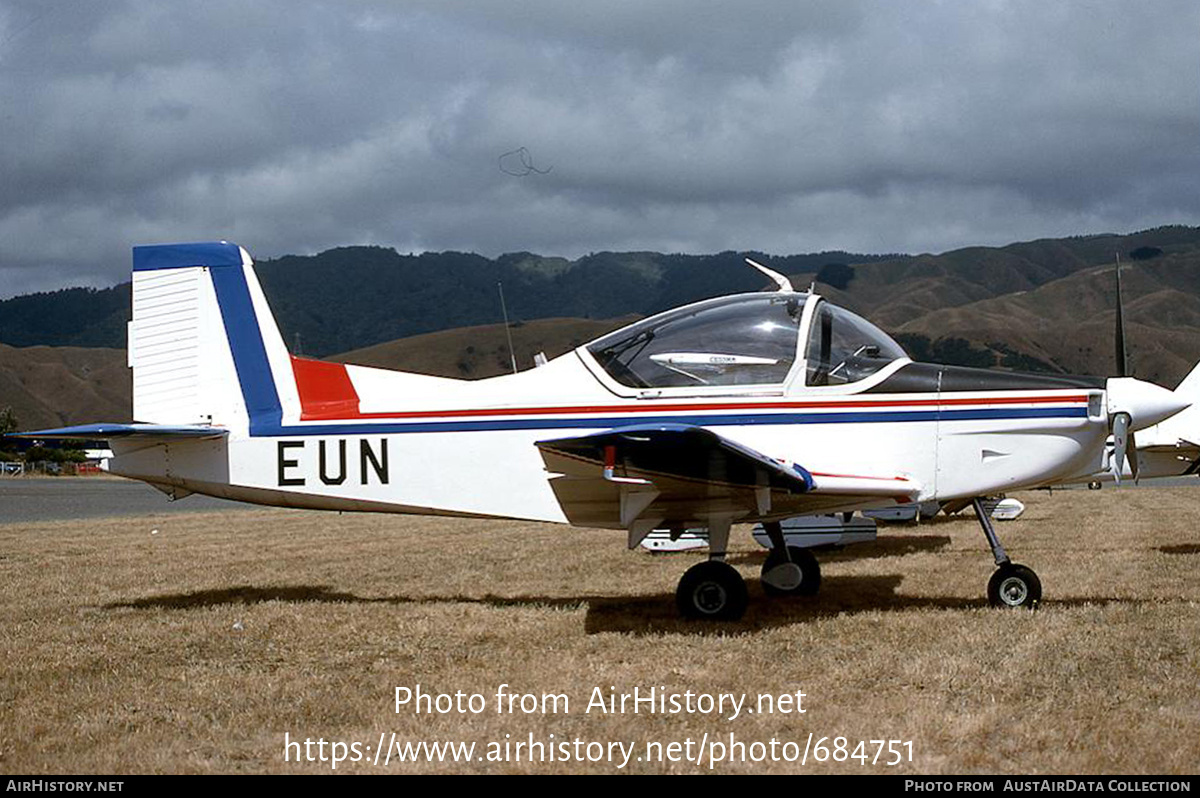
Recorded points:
(1011, 585)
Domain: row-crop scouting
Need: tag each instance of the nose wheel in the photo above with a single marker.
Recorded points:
(1014, 586)
(1011, 585)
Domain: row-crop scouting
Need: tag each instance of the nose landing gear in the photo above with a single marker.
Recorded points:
(1011, 585)
(1014, 586)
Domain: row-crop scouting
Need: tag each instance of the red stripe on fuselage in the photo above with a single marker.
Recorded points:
(652, 406)
(327, 394)
(859, 476)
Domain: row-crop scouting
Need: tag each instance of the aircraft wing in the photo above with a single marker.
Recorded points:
(99, 432)
(643, 477)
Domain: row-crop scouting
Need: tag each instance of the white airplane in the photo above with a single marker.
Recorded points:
(748, 408)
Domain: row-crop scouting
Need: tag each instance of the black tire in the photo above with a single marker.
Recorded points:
(1014, 586)
(810, 573)
(712, 590)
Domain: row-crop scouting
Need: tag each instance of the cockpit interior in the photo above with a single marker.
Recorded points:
(767, 339)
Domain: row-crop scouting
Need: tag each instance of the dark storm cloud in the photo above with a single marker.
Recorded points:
(676, 125)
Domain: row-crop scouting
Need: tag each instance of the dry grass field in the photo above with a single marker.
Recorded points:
(197, 648)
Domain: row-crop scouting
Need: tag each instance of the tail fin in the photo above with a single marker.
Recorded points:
(203, 345)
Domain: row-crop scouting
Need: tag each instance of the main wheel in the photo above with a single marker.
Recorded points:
(713, 590)
(1014, 586)
(800, 577)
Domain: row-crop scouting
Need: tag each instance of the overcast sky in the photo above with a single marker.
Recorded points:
(671, 125)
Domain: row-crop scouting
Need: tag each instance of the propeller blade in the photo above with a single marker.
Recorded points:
(1122, 352)
(1121, 439)
(1132, 455)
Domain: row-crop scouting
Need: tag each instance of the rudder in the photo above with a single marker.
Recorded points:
(203, 346)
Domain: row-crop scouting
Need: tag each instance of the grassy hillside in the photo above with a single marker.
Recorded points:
(477, 352)
(1070, 321)
(50, 386)
(56, 386)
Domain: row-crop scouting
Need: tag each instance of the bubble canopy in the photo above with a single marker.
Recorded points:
(748, 339)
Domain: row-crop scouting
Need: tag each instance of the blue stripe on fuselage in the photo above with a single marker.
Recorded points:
(611, 422)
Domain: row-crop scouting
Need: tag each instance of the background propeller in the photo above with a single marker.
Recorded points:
(1122, 352)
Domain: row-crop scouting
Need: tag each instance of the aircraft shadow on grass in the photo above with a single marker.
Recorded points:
(1183, 548)
(652, 614)
(649, 614)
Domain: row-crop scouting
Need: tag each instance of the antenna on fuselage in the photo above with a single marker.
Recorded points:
(512, 354)
(784, 283)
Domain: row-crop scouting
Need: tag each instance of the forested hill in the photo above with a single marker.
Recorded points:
(370, 295)
(353, 297)
(1037, 305)
(88, 317)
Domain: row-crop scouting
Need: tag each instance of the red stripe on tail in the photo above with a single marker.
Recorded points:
(325, 390)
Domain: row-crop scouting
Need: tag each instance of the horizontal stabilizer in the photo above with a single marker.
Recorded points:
(96, 432)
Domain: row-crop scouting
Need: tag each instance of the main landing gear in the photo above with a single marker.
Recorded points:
(712, 590)
(716, 591)
(1011, 585)
(788, 570)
